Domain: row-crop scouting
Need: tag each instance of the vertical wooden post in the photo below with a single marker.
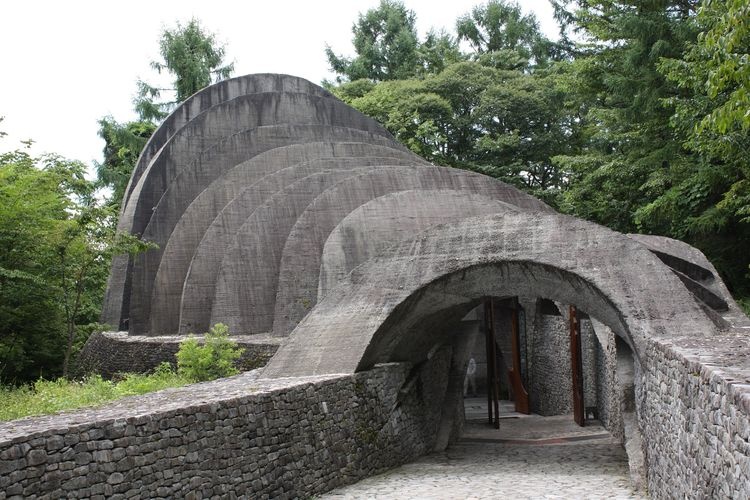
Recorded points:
(490, 361)
(520, 395)
(576, 365)
(495, 369)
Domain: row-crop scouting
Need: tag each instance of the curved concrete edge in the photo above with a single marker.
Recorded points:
(386, 220)
(223, 120)
(229, 152)
(210, 96)
(208, 166)
(239, 192)
(227, 118)
(680, 255)
(606, 274)
(301, 258)
(246, 284)
(675, 248)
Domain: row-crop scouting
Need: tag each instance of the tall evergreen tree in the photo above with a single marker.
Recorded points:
(632, 150)
(195, 59)
(386, 44)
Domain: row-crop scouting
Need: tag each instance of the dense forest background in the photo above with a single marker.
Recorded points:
(636, 118)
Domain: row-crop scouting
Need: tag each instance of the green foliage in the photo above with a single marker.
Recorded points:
(385, 40)
(45, 397)
(194, 57)
(214, 359)
(56, 239)
(501, 27)
(123, 144)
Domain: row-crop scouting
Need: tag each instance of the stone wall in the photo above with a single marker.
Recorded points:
(551, 382)
(607, 401)
(110, 353)
(694, 418)
(282, 438)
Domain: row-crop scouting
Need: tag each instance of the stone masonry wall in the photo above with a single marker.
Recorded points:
(551, 382)
(608, 403)
(237, 437)
(110, 353)
(694, 418)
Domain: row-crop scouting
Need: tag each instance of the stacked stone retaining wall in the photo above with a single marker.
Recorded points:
(238, 437)
(694, 417)
(110, 353)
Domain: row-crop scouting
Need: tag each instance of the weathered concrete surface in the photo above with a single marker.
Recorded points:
(243, 291)
(384, 221)
(211, 96)
(207, 129)
(699, 276)
(368, 318)
(208, 166)
(301, 259)
(246, 186)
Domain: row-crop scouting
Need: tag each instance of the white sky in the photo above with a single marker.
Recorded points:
(65, 64)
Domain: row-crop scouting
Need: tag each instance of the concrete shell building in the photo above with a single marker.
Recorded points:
(328, 248)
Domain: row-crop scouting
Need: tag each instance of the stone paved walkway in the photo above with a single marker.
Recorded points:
(529, 457)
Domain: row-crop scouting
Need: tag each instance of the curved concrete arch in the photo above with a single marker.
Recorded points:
(237, 194)
(210, 96)
(301, 258)
(244, 289)
(606, 274)
(384, 221)
(200, 283)
(220, 121)
(210, 166)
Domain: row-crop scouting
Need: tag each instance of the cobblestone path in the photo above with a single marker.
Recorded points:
(490, 464)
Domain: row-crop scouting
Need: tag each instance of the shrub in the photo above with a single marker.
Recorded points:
(214, 359)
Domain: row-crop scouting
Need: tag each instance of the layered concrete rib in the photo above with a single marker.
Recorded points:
(384, 221)
(699, 276)
(231, 117)
(278, 208)
(235, 195)
(213, 164)
(301, 258)
(210, 128)
(211, 96)
(615, 279)
(245, 286)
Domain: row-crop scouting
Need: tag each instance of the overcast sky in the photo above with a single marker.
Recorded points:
(65, 64)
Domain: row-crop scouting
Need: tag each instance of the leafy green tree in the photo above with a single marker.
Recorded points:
(708, 201)
(193, 57)
(438, 51)
(123, 144)
(417, 117)
(55, 239)
(386, 44)
(498, 31)
(632, 151)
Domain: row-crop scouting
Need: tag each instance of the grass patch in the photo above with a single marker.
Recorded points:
(196, 363)
(45, 397)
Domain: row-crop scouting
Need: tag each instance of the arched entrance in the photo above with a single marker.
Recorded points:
(404, 304)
